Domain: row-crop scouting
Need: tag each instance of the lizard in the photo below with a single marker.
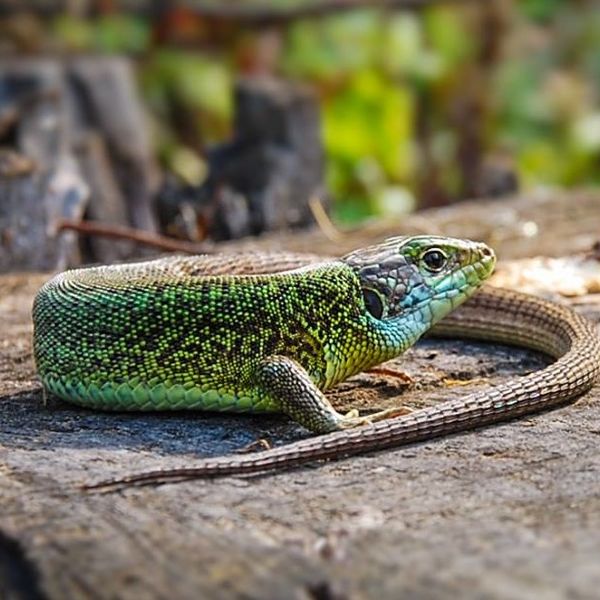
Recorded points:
(272, 332)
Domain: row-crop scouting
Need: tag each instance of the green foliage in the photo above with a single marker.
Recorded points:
(392, 84)
(450, 41)
(199, 82)
(540, 10)
(109, 33)
(333, 47)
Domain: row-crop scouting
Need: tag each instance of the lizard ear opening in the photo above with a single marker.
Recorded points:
(373, 303)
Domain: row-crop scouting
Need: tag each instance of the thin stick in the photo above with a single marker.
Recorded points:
(330, 231)
(134, 235)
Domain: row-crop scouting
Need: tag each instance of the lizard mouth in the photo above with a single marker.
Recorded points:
(485, 263)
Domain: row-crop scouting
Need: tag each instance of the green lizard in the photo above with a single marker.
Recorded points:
(262, 332)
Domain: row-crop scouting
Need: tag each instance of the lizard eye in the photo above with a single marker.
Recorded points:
(373, 303)
(434, 260)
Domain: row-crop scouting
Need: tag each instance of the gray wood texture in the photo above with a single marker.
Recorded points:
(511, 511)
(85, 158)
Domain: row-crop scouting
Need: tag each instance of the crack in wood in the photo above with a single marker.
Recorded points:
(19, 577)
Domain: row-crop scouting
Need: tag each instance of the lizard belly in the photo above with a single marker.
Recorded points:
(154, 396)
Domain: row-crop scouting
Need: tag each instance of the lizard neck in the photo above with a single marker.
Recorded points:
(368, 341)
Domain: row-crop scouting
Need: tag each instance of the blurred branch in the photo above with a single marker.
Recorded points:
(145, 238)
(248, 12)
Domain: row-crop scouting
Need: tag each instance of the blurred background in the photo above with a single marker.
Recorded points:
(208, 120)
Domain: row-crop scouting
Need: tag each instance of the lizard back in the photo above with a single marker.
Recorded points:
(165, 335)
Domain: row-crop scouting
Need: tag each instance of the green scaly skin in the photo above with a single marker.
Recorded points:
(210, 333)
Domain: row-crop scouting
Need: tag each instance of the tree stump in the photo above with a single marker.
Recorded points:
(264, 178)
(84, 157)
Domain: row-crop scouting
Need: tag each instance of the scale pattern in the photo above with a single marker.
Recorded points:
(135, 337)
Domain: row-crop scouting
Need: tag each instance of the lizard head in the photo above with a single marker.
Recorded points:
(419, 279)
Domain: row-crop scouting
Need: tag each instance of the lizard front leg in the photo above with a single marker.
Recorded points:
(291, 388)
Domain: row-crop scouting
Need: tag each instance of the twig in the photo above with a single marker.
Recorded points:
(255, 446)
(322, 219)
(403, 377)
(135, 235)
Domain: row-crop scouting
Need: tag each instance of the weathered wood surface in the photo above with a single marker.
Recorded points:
(511, 511)
(84, 156)
(35, 118)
